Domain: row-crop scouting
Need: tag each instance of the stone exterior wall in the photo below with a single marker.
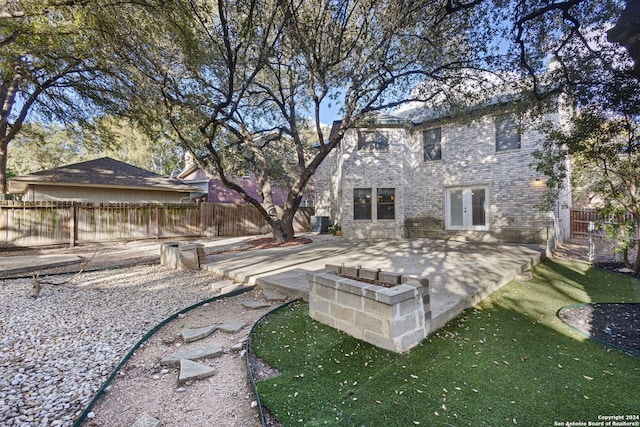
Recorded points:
(469, 158)
(326, 186)
(373, 170)
(394, 318)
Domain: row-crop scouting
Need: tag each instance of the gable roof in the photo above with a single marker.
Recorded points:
(193, 172)
(104, 172)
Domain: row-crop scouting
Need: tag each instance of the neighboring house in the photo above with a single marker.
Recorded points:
(194, 176)
(218, 193)
(102, 180)
(415, 174)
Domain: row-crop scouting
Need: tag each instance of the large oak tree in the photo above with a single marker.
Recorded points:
(600, 75)
(52, 68)
(240, 83)
(238, 80)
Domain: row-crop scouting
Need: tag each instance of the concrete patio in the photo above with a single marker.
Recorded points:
(460, 273)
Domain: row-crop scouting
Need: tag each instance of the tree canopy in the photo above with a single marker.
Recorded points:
(238, 79)
(41, 146)
(51, 69)
(241, 84)
(605, 153)
(601, 138)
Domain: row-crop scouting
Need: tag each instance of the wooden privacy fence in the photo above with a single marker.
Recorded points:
(580, 219)
(222, 219)
(47, 223)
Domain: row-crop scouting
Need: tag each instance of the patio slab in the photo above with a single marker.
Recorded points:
(23, 264)
(460, 274)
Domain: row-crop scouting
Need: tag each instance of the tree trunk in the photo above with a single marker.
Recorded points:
(636, 265)
(3, 168)
(7, 132)
(625, 257)
(283, 227)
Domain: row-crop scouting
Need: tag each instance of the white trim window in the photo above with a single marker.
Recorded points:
(508, 132)
(431, 144)
(373, 140)
(467, 208)
(362, 203)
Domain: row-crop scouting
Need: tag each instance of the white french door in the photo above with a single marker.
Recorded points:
(467, 208)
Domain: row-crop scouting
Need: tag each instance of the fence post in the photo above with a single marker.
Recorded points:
(592, 248)
(73, 226)
(157, 222)
(4, 222)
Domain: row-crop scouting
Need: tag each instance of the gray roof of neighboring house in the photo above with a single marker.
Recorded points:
(104, 172)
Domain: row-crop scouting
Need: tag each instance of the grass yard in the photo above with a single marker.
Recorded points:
(508, 361)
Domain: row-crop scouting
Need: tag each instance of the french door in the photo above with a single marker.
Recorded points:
(467, 208)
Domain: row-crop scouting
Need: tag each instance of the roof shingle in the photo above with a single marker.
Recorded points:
(103, 172)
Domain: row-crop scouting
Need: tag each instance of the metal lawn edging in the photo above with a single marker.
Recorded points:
(250, 351)
(148, 335)
(588, 335)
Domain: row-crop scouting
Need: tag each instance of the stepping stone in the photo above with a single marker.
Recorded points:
(146, 420)
(232, 326)
(195, 334)
(256, 305)
(193, 371)
(273, 296)
(195, 354)
(238, 346)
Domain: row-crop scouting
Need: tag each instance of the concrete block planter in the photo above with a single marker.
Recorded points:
(392, 317)
(182, 256)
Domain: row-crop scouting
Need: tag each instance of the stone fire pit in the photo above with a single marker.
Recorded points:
(388, 310)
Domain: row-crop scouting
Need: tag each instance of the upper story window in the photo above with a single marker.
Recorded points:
(431, 144)
(373, 140)
(361, 203)
(507, 132)
(386, 203)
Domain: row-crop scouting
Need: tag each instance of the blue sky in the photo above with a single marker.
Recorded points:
(329, 114)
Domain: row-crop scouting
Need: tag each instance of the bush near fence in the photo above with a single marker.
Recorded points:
(47, 223)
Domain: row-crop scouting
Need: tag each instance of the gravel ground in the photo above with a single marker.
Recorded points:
(56, 351)
(144, 386)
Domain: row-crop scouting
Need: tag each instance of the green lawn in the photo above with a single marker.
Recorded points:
(508, 361)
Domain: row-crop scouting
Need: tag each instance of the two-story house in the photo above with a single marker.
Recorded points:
(416, 174)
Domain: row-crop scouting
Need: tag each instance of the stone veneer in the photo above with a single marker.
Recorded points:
(395, 318)
(469, 159)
